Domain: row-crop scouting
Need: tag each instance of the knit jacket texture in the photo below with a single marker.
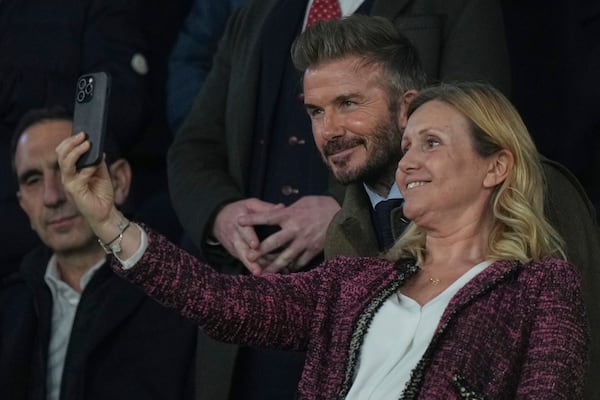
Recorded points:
(515, 331)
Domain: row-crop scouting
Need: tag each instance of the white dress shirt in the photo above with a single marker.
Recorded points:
(398, 336)
(394, 193)
(65, 300)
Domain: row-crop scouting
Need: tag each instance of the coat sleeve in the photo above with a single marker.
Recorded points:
(474, 44)
(198, 161)
(556, 357)
(572, 214)
(192, 54)
(457, 40)
(276, 311)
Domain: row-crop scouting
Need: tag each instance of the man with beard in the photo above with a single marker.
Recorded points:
(356, 93)
(71, 328)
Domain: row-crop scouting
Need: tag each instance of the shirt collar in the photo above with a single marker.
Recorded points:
(55, 282)
(394, 193)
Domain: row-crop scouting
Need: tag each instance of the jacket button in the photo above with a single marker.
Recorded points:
(287, 190)
(293, 140)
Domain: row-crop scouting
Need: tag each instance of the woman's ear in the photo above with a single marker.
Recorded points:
(501, 163)
(120, 172)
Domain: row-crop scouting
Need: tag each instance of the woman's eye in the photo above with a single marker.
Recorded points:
(431, 143)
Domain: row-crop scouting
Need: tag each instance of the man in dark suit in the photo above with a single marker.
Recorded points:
(245, 150)
(69, 327)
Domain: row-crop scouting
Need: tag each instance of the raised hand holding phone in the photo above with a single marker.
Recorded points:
(91, 190)
(90, 114)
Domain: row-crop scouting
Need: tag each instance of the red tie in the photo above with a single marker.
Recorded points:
(323, 9)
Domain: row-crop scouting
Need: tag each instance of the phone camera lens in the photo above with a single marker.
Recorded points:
(89, 88)
(80, 96)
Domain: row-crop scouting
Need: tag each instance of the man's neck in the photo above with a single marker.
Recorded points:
(383, 185)
(72, 266)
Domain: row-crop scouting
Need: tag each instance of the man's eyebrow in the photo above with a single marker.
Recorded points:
(346, 96)
(337, 100)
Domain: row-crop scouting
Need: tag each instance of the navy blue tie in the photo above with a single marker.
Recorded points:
(383, 221)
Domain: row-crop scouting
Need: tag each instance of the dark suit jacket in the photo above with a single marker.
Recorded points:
(123, 344)
(351, 233)
(209, 160)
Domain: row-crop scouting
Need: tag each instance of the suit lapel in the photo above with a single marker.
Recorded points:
(483, 282)
(279, 31)
(357, 224)
(389, 9)
(105, 304)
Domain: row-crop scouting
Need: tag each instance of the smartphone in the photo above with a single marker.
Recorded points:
(89, 114)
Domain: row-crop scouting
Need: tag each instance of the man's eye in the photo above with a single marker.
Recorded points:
(32, 180)
(314, 112)
(348, 103)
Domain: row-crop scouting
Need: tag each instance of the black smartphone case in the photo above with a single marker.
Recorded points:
(90, 113)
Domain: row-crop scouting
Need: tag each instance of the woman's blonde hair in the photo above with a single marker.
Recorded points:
(520, 231)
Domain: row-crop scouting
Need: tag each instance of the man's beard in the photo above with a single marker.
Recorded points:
(383, 154)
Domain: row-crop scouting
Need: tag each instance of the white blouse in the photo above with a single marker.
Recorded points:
(397, 339)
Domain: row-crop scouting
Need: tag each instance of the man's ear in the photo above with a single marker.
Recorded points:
(500, 166)
(405, 100)
(120, 172)
(20, 199)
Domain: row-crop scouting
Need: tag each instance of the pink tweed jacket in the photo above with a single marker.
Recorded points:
(513, 332)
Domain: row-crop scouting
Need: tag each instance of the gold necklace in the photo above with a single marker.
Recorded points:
(433, 281)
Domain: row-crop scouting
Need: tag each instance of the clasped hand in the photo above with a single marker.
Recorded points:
(301, 237)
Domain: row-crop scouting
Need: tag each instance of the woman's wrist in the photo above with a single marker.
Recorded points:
(117, 235)
(114, 245)
(109, 230)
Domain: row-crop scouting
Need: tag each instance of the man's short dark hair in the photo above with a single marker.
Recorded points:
(374, 39)
(53, 113)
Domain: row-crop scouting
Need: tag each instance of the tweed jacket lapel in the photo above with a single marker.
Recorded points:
(485, 281)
